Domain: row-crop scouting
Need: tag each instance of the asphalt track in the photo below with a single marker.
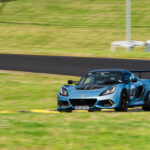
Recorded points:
(64, 65)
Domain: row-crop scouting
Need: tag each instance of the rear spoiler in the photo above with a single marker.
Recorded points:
(140, 72)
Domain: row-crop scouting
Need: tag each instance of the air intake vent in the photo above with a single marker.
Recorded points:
(83, 102)
(106, 103)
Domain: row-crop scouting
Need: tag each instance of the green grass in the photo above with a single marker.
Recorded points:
(74, 28)
(21, 91)
(63, 131)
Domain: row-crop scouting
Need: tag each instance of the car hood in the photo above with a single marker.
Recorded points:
(89, 87)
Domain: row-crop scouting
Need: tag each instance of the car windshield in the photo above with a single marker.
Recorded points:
(101, 78)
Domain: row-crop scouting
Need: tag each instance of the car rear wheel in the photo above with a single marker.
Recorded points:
(123, 102)
(146, 106)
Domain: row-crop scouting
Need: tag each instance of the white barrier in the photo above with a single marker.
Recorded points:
(126, 44)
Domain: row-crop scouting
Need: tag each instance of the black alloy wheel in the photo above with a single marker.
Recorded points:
(146, 106)
(123, 102)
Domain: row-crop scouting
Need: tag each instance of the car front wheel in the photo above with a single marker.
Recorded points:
(123, 102)
(146, 106)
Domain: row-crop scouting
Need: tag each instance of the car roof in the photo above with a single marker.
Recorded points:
(123, 71)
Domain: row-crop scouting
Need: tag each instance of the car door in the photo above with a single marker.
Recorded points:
(135, 88)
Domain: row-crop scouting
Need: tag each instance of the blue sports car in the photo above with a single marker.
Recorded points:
(116, 89)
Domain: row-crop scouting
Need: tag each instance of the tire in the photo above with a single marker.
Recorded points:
(146, 106)
(123, 102)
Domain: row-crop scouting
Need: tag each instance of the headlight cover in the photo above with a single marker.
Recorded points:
(63, 92)
(108, 91)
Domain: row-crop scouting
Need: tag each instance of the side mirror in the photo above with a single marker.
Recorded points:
(133, 80)
(70, 82)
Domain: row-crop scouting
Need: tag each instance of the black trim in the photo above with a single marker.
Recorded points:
(83, 102)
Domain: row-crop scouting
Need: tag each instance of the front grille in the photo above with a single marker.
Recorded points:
(83, 102)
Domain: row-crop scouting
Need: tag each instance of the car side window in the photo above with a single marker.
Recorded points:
(134, 76)
(127, 77)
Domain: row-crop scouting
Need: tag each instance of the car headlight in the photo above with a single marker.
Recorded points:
(108, 91)
(63, 92)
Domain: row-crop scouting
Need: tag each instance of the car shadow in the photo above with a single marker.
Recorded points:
(139, 109)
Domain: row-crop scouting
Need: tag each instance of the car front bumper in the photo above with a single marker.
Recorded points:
(100, 102)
